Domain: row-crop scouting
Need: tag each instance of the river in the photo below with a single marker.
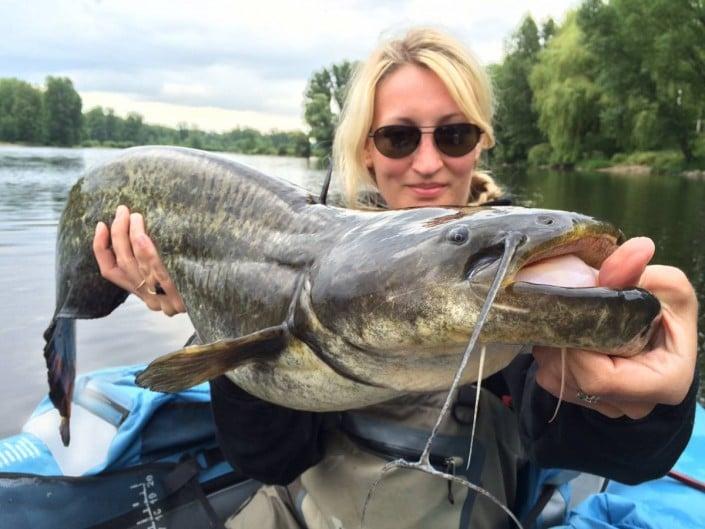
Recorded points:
(34, 183)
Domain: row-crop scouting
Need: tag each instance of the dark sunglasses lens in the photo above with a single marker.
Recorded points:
(397, 141)
(457, 140)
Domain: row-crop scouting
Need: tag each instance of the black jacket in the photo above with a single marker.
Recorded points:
(275, 445)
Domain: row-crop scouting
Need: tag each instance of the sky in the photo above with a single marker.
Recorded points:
(218, 65)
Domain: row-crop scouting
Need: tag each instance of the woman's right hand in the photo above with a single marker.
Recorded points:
(128, 258)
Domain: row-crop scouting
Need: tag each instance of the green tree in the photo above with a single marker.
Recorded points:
(566, 97)
(323, 101)
(516, 120)
(548, 30)
(132, 130)
(20, 112)
(652, 71)
(62, 106)
(113, 126)
(94, 124)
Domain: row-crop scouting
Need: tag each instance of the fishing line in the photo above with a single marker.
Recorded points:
(512, 241)
(323, 197)
(560, 394)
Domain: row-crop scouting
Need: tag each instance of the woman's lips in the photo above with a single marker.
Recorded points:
(428, 190)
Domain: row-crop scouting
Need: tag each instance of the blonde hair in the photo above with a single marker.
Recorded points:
(459, 71)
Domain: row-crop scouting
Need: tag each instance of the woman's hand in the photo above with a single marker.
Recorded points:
(133, 263)
(662, 373)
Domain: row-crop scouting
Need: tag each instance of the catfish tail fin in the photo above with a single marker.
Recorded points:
(60, 356)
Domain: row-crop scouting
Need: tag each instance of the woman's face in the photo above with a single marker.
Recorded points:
(413, 95)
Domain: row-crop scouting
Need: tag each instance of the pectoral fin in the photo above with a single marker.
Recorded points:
(195, 364)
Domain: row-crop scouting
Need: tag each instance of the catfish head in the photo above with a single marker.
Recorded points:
(402, 292)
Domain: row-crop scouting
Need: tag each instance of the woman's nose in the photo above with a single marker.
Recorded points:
(427, 158)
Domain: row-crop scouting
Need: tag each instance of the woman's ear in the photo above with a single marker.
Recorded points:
(367, 159)
(367, 154)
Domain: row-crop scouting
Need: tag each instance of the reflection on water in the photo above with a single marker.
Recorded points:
(34, 183)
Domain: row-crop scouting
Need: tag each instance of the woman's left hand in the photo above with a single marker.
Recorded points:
(662, 373)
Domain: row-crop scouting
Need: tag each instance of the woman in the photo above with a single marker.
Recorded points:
(416, 119)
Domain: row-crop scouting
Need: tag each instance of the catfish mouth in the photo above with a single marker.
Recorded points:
(591, 252)
(588, 251)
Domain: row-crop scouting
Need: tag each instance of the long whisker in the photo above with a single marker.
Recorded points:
(560, 394)
(402, 463)
(512, 242)
(477, 404)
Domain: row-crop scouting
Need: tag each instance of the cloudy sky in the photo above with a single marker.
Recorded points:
(222, 64)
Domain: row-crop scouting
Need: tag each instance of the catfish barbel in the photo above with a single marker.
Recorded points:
(321, 308)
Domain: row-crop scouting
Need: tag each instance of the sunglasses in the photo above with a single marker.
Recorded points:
(399, 141)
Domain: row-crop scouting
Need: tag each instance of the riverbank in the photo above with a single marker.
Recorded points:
(638, 163)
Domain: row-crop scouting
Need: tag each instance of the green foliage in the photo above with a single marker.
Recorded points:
(323, 102)
(663, 161)
(54, 117)
(699, 146)
(130, 131)
(565, 95)
(591, 164)
(62, 107)
(516, 128)
(548, 30)
(94, 125)
(652, 72)
(20, 112)
(540, 155)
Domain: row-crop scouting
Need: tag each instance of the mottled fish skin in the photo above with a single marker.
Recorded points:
(365, 305)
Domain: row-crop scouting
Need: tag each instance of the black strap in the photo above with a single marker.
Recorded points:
(530, 518)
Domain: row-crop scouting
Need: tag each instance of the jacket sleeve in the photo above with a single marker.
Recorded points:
(269, 443)
(630, 451)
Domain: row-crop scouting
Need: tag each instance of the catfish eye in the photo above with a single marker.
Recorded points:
(458, 235)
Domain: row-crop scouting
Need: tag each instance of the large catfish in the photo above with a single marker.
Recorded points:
(322, 308)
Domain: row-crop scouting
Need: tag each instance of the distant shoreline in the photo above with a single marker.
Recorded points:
(38, 145)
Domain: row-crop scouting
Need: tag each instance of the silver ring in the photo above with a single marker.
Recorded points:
(587, 399)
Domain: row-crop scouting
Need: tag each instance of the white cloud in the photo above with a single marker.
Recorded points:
(207, 118)
(250, 59)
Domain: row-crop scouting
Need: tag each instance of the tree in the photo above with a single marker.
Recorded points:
(548, 30)
(323, 101)
(132, 129)
(62, 106)
(516, 120)
(566, 97)
(20, 112)
(653, 69)
(94, 124)
(113, 126)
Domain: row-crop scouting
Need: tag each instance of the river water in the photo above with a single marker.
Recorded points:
(34, 183)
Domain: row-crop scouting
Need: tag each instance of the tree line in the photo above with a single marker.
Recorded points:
(53, 116)
(615, 78)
